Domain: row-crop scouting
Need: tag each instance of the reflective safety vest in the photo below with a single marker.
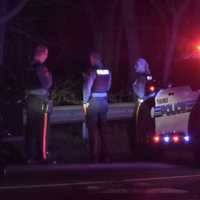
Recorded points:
(102, 81)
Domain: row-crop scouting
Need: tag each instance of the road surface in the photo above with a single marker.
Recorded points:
(132, 179)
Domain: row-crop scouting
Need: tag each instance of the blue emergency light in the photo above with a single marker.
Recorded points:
(166, 139)
(187, 138)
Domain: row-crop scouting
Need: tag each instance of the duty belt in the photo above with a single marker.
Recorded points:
(103, 94)
(38, 92)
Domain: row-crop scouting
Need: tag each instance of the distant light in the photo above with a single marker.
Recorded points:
(156, 139)
(187, 138)
(152, 88)
(198, 47)
(175, 139)
(166, 139)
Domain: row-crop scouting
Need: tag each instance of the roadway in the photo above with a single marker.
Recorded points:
(102, 181)
(139, 179)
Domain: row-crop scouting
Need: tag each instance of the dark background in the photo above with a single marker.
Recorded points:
(164, 32)
(161, 31)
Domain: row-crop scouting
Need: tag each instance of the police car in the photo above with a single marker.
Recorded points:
(172, 114)
(168, 118)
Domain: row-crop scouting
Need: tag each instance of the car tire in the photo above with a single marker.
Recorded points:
(194, 130)
(145, 128)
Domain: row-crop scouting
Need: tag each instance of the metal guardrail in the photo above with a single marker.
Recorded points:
(74, 114)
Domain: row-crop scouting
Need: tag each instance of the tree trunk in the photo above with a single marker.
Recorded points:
(2, 41)
(94, 24)
(5, 17)
(170, 49)
(2, 31)
(116, 63)
(129, 24)
(130, 30)
(171, 44)
(109, 33)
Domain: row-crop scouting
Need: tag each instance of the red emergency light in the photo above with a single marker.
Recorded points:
(176, 139)
(198, 47)
(156, 139)
(152, 88)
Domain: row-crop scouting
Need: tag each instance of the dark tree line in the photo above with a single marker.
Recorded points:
(5, 16)
(122, 30)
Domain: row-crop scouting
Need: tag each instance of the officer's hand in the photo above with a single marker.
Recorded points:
(85, 107)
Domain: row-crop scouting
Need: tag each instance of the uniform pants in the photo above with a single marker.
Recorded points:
(96, 122)
(37, 128)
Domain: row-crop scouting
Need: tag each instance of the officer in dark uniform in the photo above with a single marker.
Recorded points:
(95, 103)
(38, 106)
(142, 76)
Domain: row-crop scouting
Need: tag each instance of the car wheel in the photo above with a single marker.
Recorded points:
(194, 130)
(145, 129)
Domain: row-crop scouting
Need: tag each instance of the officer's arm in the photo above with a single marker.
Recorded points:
(87, 87)
(45, 78)
(110, 81)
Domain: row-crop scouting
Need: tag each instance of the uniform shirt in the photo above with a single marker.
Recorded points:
(139, 85)
(89, 81)
(39, 80)
(39, 77)
(141, 72)
(44, 76)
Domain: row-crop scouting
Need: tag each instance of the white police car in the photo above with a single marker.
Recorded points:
(172, 114)
(170, 118)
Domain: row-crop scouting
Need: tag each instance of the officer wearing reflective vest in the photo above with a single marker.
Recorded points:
(95, 104)
(38, 106)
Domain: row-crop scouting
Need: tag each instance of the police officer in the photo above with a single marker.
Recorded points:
(38, 108)
(95, 103)
(142, 76)
(139, 87)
